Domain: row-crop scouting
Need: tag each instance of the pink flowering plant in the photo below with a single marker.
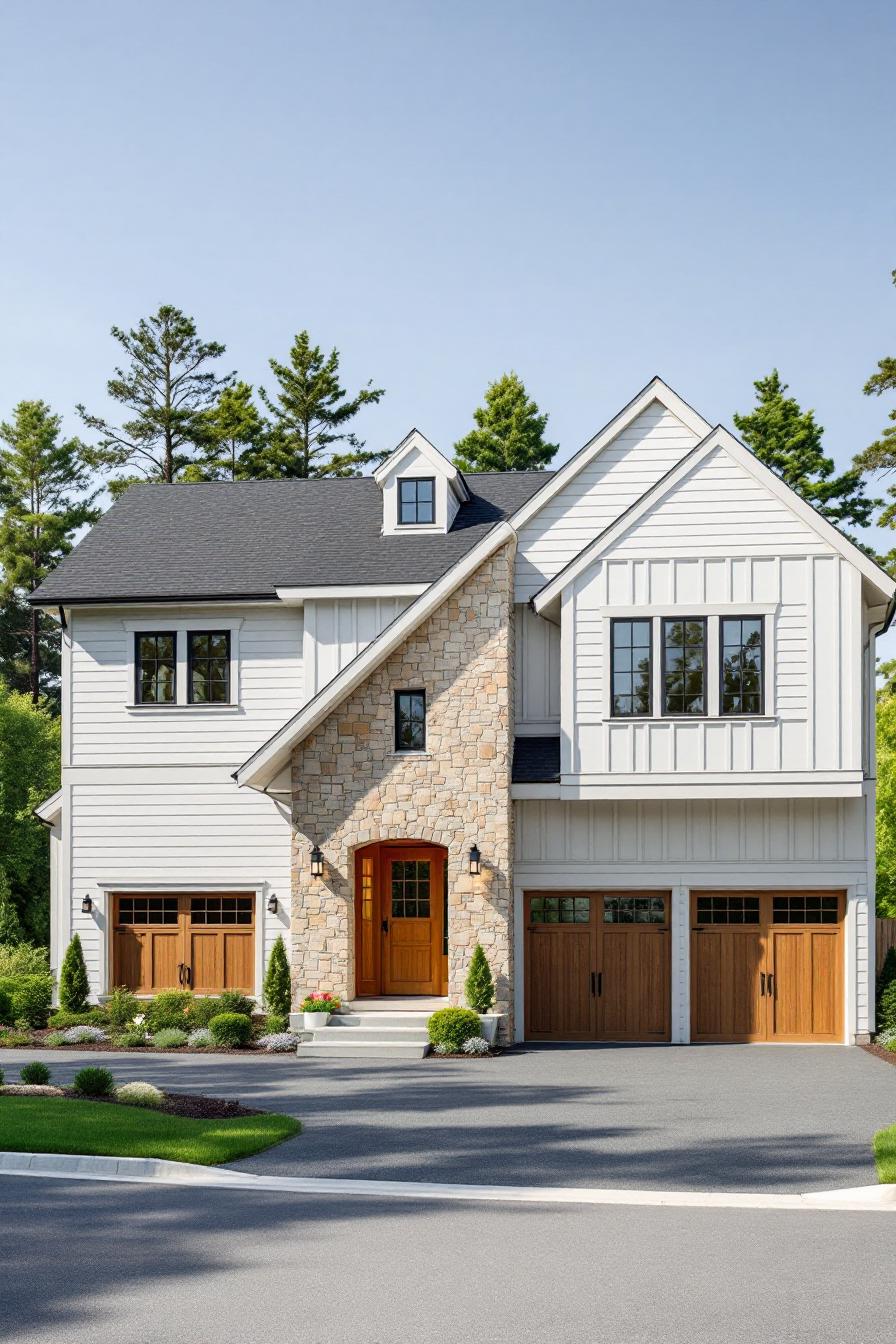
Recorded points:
(320, 1003)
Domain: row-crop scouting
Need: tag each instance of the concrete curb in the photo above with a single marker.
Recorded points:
(148, 1170)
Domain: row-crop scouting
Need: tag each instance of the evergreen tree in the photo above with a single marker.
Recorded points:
(509, 434)
(29, 773)
(11, 932)
(166, 389)
(74, 987)
(310, 412)
(880, 456)
(479, 987)
(788, 440)
(43, 490)
(235, 435)
(277, 982)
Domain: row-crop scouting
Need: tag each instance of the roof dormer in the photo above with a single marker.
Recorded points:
(422, 490)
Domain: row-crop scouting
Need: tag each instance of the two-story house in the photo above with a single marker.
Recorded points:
(614, 722)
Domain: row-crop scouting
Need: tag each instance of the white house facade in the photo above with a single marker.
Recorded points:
(614, 722)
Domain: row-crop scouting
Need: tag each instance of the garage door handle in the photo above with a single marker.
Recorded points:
(762, 984)
(771, 986)
(180, 973)
(597, 980)
(188, 975)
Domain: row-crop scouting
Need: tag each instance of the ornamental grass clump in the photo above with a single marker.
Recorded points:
(84, 1036)
(132, 1040)
(453, 1027)
(170, 1038)
(139, 1094)
(479, 987)
(230, 1029)
(93, 1082)
(36, 1072)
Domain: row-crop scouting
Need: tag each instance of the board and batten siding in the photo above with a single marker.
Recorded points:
(618, 476)
(722, 543)
(536, 673)
(336, 630)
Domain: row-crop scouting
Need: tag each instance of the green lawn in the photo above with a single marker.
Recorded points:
(58, 1125)
(885, 1154)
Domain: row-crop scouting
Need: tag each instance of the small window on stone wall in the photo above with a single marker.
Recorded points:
(410, 720)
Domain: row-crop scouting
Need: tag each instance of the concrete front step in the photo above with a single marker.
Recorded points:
(368, 1033)
(351, 1046)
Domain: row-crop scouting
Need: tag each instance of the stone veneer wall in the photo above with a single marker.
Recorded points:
(350, 787)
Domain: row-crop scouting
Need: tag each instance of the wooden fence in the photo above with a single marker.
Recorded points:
(886, 938)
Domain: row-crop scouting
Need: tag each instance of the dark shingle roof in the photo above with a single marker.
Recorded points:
(536, 760)
(245, 539)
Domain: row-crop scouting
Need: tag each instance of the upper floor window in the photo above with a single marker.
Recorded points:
(417, 499)
(155, 663)
(208, 667)
(684, 665)
(742, 659)
(410, 720)
(630, 643)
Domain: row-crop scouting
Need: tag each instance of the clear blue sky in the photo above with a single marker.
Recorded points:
(589, 193)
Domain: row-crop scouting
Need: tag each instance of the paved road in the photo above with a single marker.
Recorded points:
(704, 1117)
(99, 1264)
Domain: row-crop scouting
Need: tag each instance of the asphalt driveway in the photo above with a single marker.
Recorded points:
(779, 1118)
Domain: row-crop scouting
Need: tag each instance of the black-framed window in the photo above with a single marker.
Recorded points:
(684, 665)
(410, 720)
(741, 643)
(208, 667)
(417, 499)
(155, 667)
(631, 667)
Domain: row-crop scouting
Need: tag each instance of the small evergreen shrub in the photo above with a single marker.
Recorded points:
(93, 1082)
(35, 1072)
(139, 1094)
(23, 959)
(275, 1023)
(84, 1036)
(74, 987)
(31, 995)
(121, 1007)
(200, 1037)
(278, 1042)
(886, 993)
(452, 1027)
(231, 1029)
(169, 1038)
(1, 1077)
(13, 1038)
(232, 1001)
(476, 1045)
(92, 1017)
(202, 1011)
(131, 1040)
(277, 984)
(479, 987)
(170, 1009)
(6, 1013)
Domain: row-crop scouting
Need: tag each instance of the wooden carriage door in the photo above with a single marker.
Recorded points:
(220, 942)
(147, 942)
(411, 906)
(182, 941)
(805, 967)
(728, 967)
(634, 964)
(560, 976)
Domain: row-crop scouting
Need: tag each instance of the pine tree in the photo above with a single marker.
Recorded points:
(310, 412)
(44, 491)
(509, 434)
(277, 983)
(880, 456)
(479, 987)
(167, 388)
(788, 440)
(235, 435)
(74, 987)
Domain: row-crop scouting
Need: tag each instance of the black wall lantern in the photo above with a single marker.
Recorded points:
(86, 905)
(272, 904)
(475, 861)
(317, 862)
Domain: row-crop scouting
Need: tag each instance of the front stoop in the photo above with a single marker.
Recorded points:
(369, 1035)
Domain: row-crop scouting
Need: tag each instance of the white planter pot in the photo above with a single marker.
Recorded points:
(489, 1023)
(314, 1021)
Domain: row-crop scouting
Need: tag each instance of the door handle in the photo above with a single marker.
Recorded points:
(593, 983)
(180, 973)
(762, 984)
(188, 974)
(771, 986)
(385, 926)
(600, 983)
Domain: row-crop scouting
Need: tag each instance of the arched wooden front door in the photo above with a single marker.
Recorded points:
(400, 919)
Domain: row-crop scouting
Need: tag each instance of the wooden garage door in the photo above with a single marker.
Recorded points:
(184, 941)
(597, 966)
(767, 966)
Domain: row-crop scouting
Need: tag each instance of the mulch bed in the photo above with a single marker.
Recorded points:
(37, 1041)
(880, 1052)
(186, 1104)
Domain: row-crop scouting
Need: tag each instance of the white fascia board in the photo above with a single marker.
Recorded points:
(656, 390)
(415, 441)
(50, 810)
(297, 597)
(270, 758)
(827, 784)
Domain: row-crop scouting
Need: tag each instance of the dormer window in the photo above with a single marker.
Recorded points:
(416, 500)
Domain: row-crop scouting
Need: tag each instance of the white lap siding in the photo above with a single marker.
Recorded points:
(683, 845)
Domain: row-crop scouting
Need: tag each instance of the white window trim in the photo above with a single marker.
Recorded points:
(180, 628)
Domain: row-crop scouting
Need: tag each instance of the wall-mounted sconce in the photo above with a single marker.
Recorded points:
(86, 905)
(475, 861)
(317, 862)
(272, 904)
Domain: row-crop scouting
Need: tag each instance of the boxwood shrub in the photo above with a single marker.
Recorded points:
(451, 1027)
(94, 1082)
(36, 1072)
(231, 1029)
